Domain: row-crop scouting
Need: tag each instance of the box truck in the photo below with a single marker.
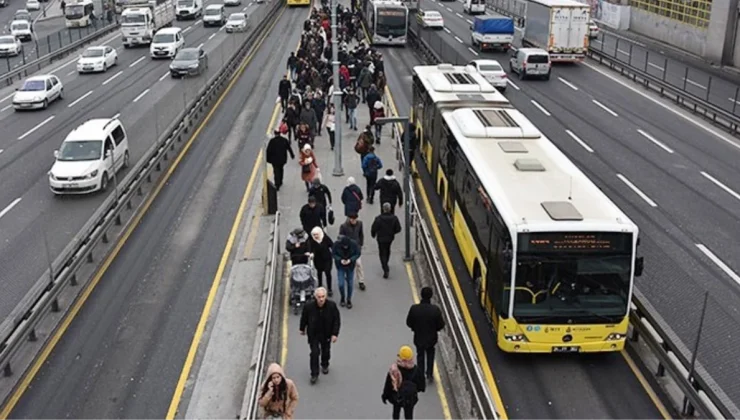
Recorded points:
(559, 27)
(492, 32)
(141, 19)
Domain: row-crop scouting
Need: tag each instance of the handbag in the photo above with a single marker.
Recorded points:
(330, 216)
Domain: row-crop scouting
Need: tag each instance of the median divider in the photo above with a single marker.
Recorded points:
(39, 315)
(667, 354)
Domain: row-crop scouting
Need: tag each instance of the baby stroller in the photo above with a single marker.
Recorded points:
(302, 284)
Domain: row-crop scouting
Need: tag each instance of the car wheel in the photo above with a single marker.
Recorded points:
(547, 76)
(61, 94)
(503, 89)
(115, 61)
(125, 160)
(45, 104)
(104, 182)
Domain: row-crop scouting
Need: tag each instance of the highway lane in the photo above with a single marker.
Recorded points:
(534, 386)
(123, 353)
(33, 136)
(667, 159)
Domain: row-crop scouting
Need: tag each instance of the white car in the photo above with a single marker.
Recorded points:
(97, 59)
(492, 71)
(21, 29)
(89, 157)
(237, 22)
(430, 19)
(593, 29)
(232, 2)
(167, 42)
(33, 5)
(10, 45)
(38, 92)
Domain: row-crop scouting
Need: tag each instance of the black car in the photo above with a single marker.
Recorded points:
(189, 62)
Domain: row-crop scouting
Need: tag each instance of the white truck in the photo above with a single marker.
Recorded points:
(559, 27)
(141, 19)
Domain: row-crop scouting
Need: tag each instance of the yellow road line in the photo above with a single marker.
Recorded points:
(646, 386)
(437, 379)
(252, 235)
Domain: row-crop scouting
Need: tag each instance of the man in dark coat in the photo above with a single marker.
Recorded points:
(425, 320)
(284, 89)
(278, 149)
(320, 320)
(390, 190)
(312, 215)
(321, 192)
(321, 247)
(384, 229)
(352, 197)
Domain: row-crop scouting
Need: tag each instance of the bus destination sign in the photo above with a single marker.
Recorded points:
(575, 241)
(391, 12)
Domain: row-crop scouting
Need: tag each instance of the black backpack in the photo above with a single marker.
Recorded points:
(408, 393)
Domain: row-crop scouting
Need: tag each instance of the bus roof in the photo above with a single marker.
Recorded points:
(534, 186)
(446, 83)
(561, 3)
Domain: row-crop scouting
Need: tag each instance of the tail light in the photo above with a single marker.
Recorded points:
(504, 76)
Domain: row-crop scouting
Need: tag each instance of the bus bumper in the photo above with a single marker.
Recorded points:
(513, 337)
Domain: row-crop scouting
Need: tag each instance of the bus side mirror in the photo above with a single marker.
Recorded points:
(639, 266)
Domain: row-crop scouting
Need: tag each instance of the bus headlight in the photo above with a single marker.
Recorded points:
(616, 337)
(515, 337)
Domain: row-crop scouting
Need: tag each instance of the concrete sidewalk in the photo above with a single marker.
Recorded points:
(375, 328)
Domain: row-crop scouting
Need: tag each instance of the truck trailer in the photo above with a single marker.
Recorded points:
(492, 32)
(559, 27)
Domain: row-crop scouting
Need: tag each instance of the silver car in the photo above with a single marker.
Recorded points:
(237, 22)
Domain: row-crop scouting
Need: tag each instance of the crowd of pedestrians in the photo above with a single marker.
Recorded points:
(305, 96)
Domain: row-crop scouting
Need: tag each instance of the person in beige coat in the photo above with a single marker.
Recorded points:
(279, 395)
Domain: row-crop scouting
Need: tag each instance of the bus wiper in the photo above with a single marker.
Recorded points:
(595, 314)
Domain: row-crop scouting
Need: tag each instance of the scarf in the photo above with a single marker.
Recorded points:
(395, 372)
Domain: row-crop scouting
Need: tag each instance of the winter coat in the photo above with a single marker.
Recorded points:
(311, 317)
(385, 227)
(297, 253)
(390, 190)
(291, 116)
(303, 137)
(345, 249)
(322, 195)
(284, 88)
(308, 116)
(371, 164)
(330, 121)
(271, 404)
(366, 78)
(322, 252)
(425, 320)
(411, 373)
(371, 97)
(355, 232)
(380, 83)
(351, 100)
(303, 161)
(278, 149)
(312, 217)
(352, 198)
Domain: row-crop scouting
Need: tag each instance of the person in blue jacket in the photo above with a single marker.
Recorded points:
(352, 197)
(345, 252)
(371, 164)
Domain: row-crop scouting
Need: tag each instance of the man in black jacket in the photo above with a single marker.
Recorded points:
(390, 190)
(384, 229)
(284, 89)
(425, 320)
(320, 320)
(312, 215)
(278, 149)
(321, 192)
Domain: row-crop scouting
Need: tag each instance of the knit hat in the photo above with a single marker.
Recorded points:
(405, 353)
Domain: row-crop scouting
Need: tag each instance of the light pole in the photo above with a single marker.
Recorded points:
(338, 170)
(406, 178)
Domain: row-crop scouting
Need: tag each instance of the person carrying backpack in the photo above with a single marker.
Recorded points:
(371, 164)
(363, 143)
(403, 383)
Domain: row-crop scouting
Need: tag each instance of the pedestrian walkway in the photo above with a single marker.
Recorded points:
(375, 328)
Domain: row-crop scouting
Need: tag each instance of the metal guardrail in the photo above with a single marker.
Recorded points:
(250, 407)
(699, 390)
(110, 220)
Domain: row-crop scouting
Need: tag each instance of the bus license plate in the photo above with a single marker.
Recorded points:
(566, 349)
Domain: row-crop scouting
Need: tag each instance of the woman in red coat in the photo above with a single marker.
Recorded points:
(309, 166)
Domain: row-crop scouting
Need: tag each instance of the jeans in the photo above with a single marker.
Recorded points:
(408, 411)
(425, 354)
(278, 171)
(322, 347)
(384, 249)
(364, 94)
(345, 275)
(370, 186)
(352, 118)
(320, 274)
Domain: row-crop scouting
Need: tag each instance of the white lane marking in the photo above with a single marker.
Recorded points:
(201, 45)
(727, 189)
(136, 99)
(602, 106)
(196, 22)
(7, 97)
(187, 29)
(448, 9)
(6, 108)
(447, 30)
(136, 62)
(211, 37)
(110, 79)
(116, 116)
(512, 84)
(10, 207)
(721, 264)
(163, 76)
(579, 141)
(541, 108)
(624, 52)
(655, 141)
(656, 66)
(668, 108)
(700, 86)
(469, 21)
(71, 73)
(637, 190)
(567, 83)
(459, 40)
(733, 100)
(472, 51)
(79, 99)
(221, 28)
(39, 125)
(459, 15)
(1, 151)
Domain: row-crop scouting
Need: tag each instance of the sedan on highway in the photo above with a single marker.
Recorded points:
(593, 29)
(22, 30)
(10, 45)
(430, 19)
(237, 22)
(33, 5)
(38, 92)
(189, 62)
(232, 3)
(97, 59)
(492, 71)
(22, 14)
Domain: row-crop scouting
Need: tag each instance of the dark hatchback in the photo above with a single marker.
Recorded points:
(189, 62)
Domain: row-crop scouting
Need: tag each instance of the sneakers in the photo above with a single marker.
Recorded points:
(385, 274)
(314, 379)
(341, 302)
(349, 304)
(325, 370)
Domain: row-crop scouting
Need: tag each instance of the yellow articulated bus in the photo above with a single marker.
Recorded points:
(299, 3)
(552, 257)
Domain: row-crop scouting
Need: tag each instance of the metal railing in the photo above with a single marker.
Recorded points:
(70, 273)
(250, 407)
(700, 392)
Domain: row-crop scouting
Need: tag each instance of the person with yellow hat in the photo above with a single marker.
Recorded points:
(403, 384)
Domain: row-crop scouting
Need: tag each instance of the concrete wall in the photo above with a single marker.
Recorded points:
(681, 35)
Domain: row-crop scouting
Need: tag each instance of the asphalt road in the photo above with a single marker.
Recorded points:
(123, 354)
(685, 171)
(138, 89)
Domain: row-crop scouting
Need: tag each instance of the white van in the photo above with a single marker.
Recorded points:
(89, 157)
(215, 15)
(530, 62)
(188, 9)
(474, 7)
(167, 42)
(21, 29)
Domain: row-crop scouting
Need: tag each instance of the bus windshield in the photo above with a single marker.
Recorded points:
(391, 22)
(74, 11)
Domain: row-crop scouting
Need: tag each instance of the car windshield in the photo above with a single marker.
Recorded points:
(187, 55)
(19, 26)
(93, 52)
(538, 59)
(185, 3)
(490, 67)
(33, 86)
(133, 19)
(163, 38)
(7, 40)
(236, 18)
(212, 12)
(433, 15)
(80, 150)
